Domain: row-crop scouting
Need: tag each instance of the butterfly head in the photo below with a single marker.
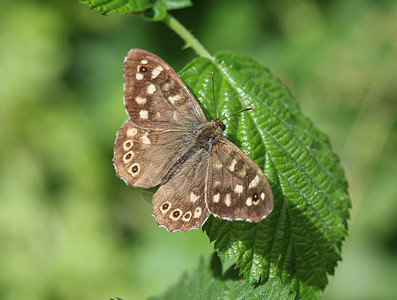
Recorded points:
(219, 126)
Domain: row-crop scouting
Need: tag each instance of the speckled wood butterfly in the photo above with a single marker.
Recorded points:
(168, 141)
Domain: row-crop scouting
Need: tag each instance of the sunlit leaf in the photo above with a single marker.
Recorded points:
(153, 9)
(300, 242)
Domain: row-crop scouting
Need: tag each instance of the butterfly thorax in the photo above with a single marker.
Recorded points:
(205, 135)
(208, 133)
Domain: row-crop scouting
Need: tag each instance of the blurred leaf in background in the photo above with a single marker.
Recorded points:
(69, 228)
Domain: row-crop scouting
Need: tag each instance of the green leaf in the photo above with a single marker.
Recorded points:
(300, 242)
(155, 10)
(208, 282)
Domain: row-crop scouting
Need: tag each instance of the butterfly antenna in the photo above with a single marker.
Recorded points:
(239, 112)
(213, 93)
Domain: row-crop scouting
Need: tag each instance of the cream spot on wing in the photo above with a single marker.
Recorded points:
(243, 172)
(174, 99)
(165, 207)
(228, 200)
(156, 71)
(139, 76)
(197, 212)
(150, 89)
(128, 157)
(144, 61)
(143, 114)
(175, 116)
(134, 169)
(254, 182)
(217, 184)
(218, 164)
(127, 145)
(263, 196)
(140, 100)
(132, 132)
(216, 197)
(232, 165)
(145, 139)
(176, 214)
(249, 201)
(167, 86)
(238, 189)
(193, 197)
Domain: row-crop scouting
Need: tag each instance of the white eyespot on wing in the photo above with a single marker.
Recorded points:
(127, 145)
(256, 200)
(254, 182)
(174, 99)
(143, 114)
(128, 157)
(150, 89)
(249, 201)
(139, 76)
(140, 100)
(165, 207)
(238, 189)
(134, 169)
(193, 197)
(232, 165)
(216, 198)
(132, 132)
(156, 71)
(176, 214)
(187, 216)
(144, 61)
(145, 139)
(228, 200)
(263, 196)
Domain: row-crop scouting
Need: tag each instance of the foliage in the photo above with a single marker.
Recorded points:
(71, 229)
(208, 282)
(309, 222)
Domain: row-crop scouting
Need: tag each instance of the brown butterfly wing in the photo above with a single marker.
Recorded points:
(237, 189)
(154, 95)
(142, 157)
(162, 114)
(180, 203)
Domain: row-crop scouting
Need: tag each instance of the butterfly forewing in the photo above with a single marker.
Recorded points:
(155, 97)
(236, 188)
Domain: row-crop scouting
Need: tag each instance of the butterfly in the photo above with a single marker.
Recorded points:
(168, 141)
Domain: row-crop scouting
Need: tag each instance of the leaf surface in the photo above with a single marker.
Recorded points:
(300, 242)
(208, 282)
(154, 10)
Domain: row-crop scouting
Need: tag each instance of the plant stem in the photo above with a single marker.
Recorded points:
(187, 36)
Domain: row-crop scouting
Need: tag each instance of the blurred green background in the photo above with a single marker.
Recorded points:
(70, 229)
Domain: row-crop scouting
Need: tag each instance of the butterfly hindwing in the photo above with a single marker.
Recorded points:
(154, 96)
(180, 204)
(236, 188)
